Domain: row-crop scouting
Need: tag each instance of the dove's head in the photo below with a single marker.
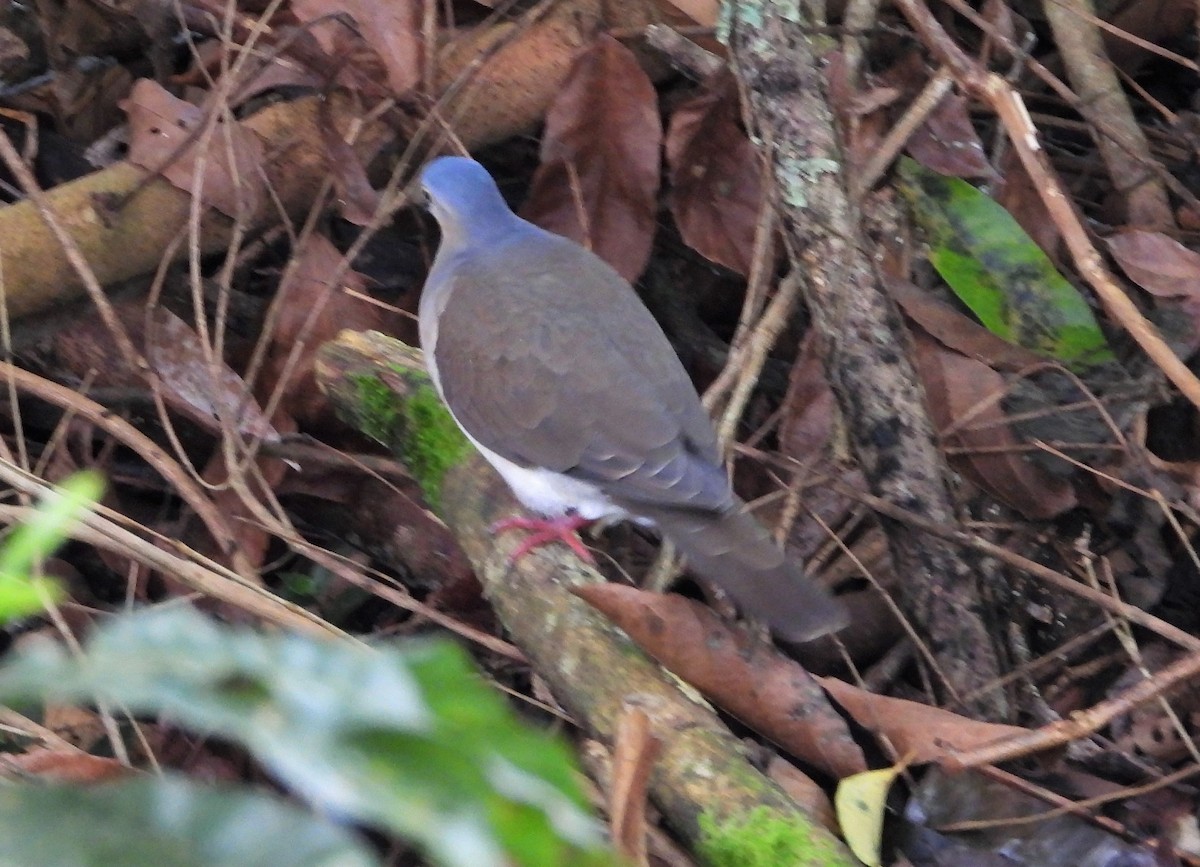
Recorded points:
(465, 201)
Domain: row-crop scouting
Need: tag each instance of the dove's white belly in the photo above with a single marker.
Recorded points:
(549, 493)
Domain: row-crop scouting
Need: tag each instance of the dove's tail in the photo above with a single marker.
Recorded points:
(735, 551)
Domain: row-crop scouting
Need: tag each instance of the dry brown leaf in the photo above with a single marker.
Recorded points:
(313, 307)
(634, 753)
(1154, 729)
(271, 73)
(191, 381)
(1137, 27)
(861, 115)
(716, 176)
(391, 29)
(947, 142)
(957, 330)
(964, 401)
(748, 678)
(358, 202)
(927, 734)
(599, 177)
(1158, 263)
(64, 766)
(73, 29)
(807, 421)
(250, 538)
(83, 101)
(164, 137)
(79, 726)
(192, 378)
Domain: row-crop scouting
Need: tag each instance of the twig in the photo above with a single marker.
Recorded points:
(149, 451)
(203, 575)
(1101, 96)
(1081, 723)
(915, 115)
(684, 54)
(1043, 573)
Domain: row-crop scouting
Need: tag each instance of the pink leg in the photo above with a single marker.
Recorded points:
(545, 531)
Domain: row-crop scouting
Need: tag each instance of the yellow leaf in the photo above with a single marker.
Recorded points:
(860, 801)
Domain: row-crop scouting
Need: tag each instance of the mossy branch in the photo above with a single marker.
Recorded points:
(704, 783)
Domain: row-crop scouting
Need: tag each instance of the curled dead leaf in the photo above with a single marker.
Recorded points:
(916, 731)
(748, 678)
(1156, 262)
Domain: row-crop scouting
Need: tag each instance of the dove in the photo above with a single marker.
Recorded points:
(563, 380)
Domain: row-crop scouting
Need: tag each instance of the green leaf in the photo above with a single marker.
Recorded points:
(997, 270)
(24, 596)
(153, 822)
(408, 740)
(22, 593)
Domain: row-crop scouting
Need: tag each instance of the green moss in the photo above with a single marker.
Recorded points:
(434, 442)
(765, 838)
(418, 429)
(378, 409)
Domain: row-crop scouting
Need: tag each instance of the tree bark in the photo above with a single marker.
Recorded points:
(866, 346)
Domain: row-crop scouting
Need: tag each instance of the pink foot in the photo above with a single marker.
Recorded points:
(545, 531)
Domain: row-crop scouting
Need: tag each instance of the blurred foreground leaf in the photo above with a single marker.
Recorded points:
(408, 740)
(21, 591)
(152, 822)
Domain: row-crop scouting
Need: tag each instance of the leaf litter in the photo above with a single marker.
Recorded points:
(231, 337)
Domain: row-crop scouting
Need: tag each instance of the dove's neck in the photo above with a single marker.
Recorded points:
(478, 220)
(479, 230)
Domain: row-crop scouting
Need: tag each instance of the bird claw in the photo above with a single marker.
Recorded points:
(545, 531)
